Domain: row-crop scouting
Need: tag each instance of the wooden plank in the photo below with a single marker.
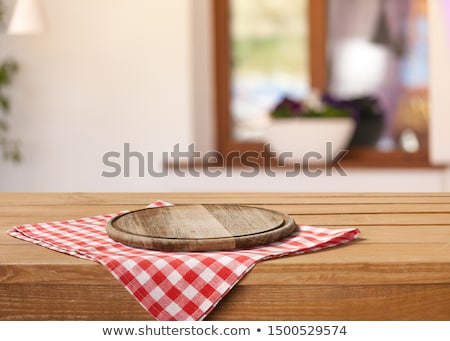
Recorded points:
(335, 303)
(30, 254)
(276, 272)
(92, 199)
(373, 219)
(360, 208)
(72, 272)
(404, 234)
(243, 303)
(78, 211)
(24, 302)
(347, 264)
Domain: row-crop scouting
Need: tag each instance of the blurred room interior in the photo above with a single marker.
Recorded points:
(96, 75)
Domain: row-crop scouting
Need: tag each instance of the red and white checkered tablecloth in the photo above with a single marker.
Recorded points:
(172, 285)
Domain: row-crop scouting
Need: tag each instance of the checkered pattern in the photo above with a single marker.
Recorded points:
(171, 285)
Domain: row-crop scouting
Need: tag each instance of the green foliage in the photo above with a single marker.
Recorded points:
(283, 111)
(2, 12)
(327, 111)
(8, 68)
(11, 148)
(312, 107)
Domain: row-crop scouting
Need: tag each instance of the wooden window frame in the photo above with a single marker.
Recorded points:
(317, 58)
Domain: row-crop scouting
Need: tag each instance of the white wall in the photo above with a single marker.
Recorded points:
(106, 72)
(109, 72)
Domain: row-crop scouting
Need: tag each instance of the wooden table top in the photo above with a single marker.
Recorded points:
(399, 269)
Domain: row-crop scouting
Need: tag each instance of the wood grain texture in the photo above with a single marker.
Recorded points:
(398, 270)
(200, 227)
(336, 303)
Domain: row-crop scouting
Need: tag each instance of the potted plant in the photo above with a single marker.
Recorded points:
(314, 127)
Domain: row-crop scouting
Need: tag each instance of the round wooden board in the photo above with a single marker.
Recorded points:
(200, 227)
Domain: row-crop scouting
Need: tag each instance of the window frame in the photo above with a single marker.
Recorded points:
(360, 157)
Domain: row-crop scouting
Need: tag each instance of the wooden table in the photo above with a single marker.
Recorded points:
(398, 270)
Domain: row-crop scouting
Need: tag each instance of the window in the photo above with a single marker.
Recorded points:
(269, 58)
(242, 30)
(234, 36)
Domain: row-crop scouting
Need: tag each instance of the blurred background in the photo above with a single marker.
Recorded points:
(94, 75)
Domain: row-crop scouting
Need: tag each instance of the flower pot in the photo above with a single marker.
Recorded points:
(315, 140)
